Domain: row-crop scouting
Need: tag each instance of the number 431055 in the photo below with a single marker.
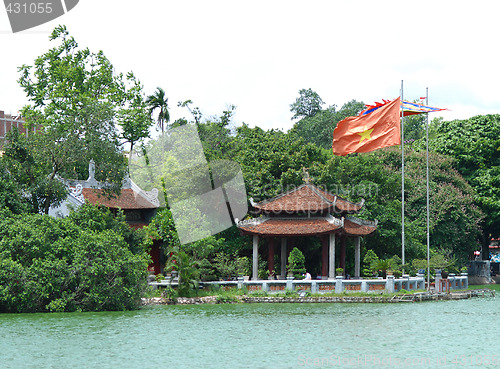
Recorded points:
(33, 8)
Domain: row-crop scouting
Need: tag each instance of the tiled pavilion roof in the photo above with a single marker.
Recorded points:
(291, 226)
(303, 226)
(307, 198)
(280, 216)
(358, 227)
(128, 199)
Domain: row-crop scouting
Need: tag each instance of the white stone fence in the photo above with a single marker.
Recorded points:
(340, 285)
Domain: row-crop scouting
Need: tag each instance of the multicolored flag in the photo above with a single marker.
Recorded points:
(370, 131)
(408, 108)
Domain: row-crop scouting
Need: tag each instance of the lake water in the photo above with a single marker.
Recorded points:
(443, 334)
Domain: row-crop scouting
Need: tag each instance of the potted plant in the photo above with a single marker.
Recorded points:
(244, 267)
(159, 277)
(339, 271)
(296, 264)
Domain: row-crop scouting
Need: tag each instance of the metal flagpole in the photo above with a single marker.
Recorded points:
(402, 183)
(428, 216)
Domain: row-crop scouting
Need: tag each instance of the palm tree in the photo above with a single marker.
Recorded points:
(158, 101)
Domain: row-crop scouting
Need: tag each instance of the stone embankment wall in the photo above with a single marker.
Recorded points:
(415, 297)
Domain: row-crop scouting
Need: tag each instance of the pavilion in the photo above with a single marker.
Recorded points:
(307, 211)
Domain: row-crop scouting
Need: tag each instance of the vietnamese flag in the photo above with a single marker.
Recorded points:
(364, 133)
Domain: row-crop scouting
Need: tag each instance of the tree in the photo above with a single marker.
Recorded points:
(474, 145)
(32, 172)
(11, 196)
(158, 101)
(376, 177)
(74, 96)
(272, 160)
(187, 268)
(318, 129)
(307, 104)
(414, 127)
(134, 118)
(81, 263)
(195, 112)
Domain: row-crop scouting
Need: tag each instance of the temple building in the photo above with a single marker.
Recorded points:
(138, 206)
(307, 211)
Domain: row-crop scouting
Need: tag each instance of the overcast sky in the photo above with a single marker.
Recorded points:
(257, 54)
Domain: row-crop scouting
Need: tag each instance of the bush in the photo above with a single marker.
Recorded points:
(296, 263)
(50, 264)
(369, 261)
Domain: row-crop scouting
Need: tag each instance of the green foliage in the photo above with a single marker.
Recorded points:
(75, 98)
(474, 145)
(28, 168)
(230, 265)
(272, 161)
(414, 127)
(69, 264)
(382, 266)
(369, 260)
(133, 118)
(162, 227)
(318, 129)
(159, 101)
(188, 275)
(307, 104)
(376, 177)
(296, 263)
(159, 277)
(373, 266)
(11, 196)
(225, 265)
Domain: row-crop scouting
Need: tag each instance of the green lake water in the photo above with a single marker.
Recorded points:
(443, 334)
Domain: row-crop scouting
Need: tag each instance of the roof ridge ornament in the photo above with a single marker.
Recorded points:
(306, 177)
(91, 180)
(362, 222)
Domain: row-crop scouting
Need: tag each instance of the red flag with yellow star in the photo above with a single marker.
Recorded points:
(364, 133)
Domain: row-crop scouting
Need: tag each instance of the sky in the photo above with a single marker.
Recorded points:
(257, 54)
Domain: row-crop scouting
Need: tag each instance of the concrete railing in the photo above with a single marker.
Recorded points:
(338, 285)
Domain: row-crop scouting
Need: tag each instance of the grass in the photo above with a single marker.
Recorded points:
(495, 287)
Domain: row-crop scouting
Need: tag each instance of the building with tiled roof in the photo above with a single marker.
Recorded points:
(138, 206)
(307, 211)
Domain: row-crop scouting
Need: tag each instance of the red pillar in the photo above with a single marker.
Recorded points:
(270, 255)
(155, 257)
(324, 256)
(342, 252)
